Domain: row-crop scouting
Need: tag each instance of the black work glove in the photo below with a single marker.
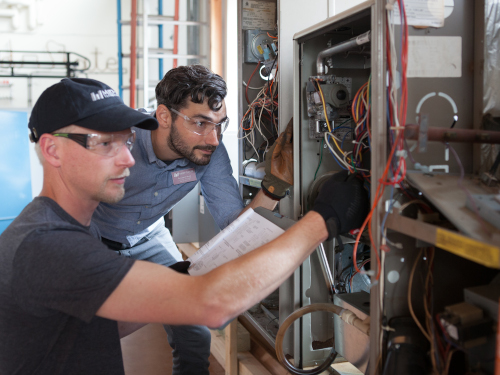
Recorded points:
(343, 202)
(181, 267)
(279, 165)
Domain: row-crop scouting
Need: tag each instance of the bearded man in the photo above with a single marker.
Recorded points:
(170, 161)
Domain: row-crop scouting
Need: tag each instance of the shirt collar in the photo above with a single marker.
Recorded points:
(148, 146)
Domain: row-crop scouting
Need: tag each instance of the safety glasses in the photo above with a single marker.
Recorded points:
(102, 144)
(202, 127)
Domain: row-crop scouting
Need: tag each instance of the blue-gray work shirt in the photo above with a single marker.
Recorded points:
(150, 192)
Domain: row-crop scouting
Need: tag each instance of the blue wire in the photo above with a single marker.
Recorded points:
(341, 166)
(349, 280)
(345, 135)
(342, 127)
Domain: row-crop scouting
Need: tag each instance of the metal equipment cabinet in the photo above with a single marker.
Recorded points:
(467, 249)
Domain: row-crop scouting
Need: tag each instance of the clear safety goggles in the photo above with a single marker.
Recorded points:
(203, 127)
(102, 144)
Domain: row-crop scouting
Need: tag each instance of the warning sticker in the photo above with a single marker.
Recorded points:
(421, 13)
(465, 247)
(259, 15)
(434, 56)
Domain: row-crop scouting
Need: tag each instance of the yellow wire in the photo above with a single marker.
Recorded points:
(326, 117)
(357, 107)
(336, 144)
(324, 106)
(358, 104)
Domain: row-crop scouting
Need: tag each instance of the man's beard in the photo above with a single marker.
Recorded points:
(176, 143)
(111, 199)
(113, 196)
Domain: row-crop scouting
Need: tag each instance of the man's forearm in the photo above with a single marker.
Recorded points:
(241, 283)
(153, 293)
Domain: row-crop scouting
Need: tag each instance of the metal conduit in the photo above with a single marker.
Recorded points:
(339, 48)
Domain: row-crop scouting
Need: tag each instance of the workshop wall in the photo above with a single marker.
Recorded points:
(86, 27)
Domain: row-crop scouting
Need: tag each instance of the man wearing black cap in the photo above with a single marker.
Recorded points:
(62, 291)
(53, 275)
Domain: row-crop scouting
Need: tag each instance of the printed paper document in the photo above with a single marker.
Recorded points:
(248, 232)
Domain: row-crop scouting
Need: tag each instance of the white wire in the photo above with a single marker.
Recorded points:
(252, 142)
(260, 130)
(334, 136)
(250, 137)
(341, 160)
(393, 67)
(357, 169)
(360, 122)
(360, 142)
(253, 88)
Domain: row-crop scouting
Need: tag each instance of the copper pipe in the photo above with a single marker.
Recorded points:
(133, 52)
(453, 135)
(176, 32)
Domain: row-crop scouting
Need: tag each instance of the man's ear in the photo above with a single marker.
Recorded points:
(50, 150)
(163, 116)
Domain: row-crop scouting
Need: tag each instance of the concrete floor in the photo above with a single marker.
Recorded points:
(146, 352)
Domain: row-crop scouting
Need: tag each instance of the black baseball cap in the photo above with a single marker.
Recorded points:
(87, 103)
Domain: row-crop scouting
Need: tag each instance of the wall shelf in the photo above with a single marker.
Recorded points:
(477, 251)
(443, 191)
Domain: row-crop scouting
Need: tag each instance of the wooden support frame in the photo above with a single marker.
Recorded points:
(231, 348)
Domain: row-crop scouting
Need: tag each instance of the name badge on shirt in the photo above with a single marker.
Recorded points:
(186, 175)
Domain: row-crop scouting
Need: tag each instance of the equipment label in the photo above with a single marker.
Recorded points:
(259, 15)
(421, 13)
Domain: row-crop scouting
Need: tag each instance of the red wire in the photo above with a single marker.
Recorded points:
(398, 142)
(249, 80)
(378, 195)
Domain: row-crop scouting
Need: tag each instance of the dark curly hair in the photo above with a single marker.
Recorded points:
(194, 82)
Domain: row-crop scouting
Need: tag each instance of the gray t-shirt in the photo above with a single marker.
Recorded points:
(54, 276)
